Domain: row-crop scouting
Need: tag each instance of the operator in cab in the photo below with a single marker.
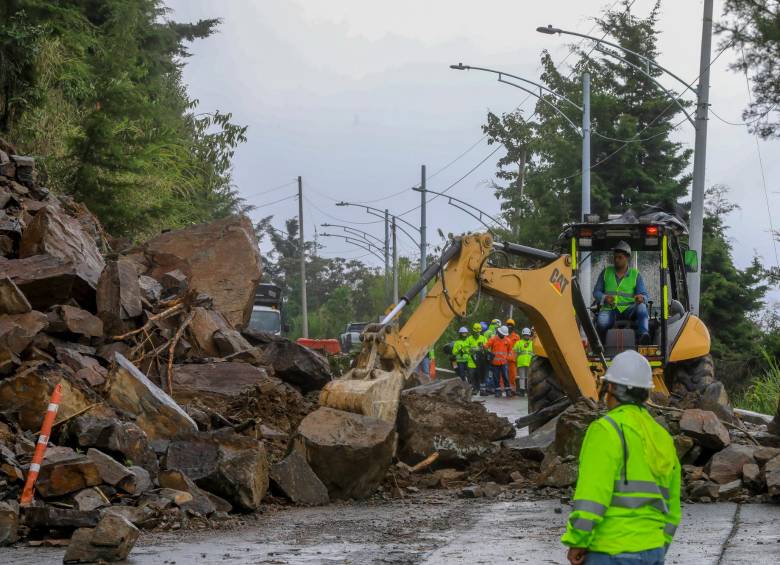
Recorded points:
(622, 295)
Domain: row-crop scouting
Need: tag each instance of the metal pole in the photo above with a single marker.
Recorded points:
(700, 154)
(395, 264)
(304, 310)
(387, 256)
(585, 281)
(423, 229)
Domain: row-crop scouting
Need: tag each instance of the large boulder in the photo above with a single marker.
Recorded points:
(71, 320)
(293, 363)
(55, 233)
(111, 540)
(726, 465)
(213, 335)
(225, 463)
(221, 258)
(18, 330)
(571, 428)
(705, 427)
(155, 412)
(350, 453)
(12, 300)
(46, 280)
(68, 475)
(118, 296)
(441, 418)
(295, 478)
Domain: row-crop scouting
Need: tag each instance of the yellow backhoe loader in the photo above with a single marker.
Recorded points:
(570, 355)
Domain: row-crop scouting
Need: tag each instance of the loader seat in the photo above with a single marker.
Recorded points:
(620, 338)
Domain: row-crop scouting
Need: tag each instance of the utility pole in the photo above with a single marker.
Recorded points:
(584, 267)
(700, 154)
(395, 265)
(304, 310)
(423, 230)
(387, 256)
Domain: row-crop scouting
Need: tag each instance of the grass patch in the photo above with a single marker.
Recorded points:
(762, 394)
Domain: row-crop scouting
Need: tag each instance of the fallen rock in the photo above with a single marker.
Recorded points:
(558, 471)
(112, 436)
(683, 445)
(118, 296)
(716, 399)
(298, 482)
(200, 503)
(213, 335)
(702, 489)
(726, 465)
(25, 396)
(225, 463)
(350, 453)
(571, 427)
(47, 517)
(763, 455)
(137, 482)
(12, 300)
(150, 289)
(86, 368)
(17, 331)
(293, 363)
(9, 522)
(730, 490)
(46, 281)
(491, 490)
(472, 491)
(140, 516)
(90, 499)
(57, 479)
(154, 412)
(174, 282)
(459, 430)
(751, 475)
(222, 259)
(53, 233)
(69, 319)
(111, 472)
(535, 445)
(772, 476)
(111, 540)
(704, 427)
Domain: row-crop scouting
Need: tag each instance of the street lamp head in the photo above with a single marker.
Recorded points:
(549, 30)
(342, 203)
(417, 189)
(459, 67)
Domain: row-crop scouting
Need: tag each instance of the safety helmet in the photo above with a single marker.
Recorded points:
(496, 322)
(484, 326)
(510, 322)
(476, 326)
(630, 369)
(526, 331)
(623, 247)
(463, 330)
(503, 330)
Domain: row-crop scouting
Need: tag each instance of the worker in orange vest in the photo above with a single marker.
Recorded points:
(500, 348)
(514, 337)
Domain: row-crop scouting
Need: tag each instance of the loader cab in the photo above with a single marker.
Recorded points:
(663, 261)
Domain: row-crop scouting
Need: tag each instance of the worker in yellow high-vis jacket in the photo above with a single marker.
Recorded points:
(627, 502)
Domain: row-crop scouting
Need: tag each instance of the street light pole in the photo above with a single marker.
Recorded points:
(700, 155)
(584, 267)
(423, 230)
(387, 256)
(304, 308)
(395, 264)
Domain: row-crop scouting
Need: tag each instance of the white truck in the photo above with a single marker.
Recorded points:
(267, 310)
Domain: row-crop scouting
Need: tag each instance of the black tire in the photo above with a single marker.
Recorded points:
(693, 376)
(543, 387)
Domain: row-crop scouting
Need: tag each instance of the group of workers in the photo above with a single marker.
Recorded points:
(494, 357)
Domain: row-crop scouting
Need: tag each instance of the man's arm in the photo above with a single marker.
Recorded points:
(641, 288)
(598, 290)
(675, 513)
(600, 460)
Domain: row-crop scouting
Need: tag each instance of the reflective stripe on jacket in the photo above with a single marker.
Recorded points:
(501, 348)
(623, 292)
(628, 489)
(525, 351)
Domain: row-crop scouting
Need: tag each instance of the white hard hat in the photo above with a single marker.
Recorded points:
(503, 330)
(630, 369)
(463, 330)
(526, 331)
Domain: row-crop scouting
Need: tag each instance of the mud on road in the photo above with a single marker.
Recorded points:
(437, 530)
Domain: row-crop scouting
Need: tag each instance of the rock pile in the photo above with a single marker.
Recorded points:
(168, 415)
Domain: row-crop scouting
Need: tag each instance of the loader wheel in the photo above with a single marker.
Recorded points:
(543, 387)
(693, 376)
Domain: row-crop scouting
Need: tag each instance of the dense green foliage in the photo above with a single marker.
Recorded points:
(94, 90)
(764, 391)
(752, 27)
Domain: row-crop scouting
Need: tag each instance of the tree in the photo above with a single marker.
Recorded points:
(752, 27)
(634, 160)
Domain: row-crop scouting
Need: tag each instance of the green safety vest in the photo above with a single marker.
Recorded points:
(490, 332)
(628, 489)
(525, 351)
(624, 292)
(462, 351)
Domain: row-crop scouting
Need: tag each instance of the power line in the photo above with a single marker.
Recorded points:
(332, 217)
(751, 122)
(275, 201)
(761, 167)
(274, 189)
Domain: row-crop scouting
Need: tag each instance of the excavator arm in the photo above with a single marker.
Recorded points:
(391, 353)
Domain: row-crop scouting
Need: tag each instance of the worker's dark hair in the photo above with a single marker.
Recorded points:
(630, 395)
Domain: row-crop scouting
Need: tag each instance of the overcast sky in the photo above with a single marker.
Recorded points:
(354, 95)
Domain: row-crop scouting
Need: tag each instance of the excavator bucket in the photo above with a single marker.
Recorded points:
(378, 397)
